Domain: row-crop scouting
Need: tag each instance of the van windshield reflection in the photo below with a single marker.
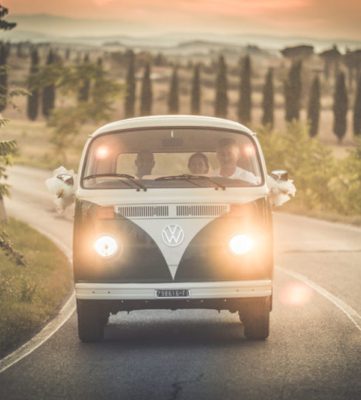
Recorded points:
(174, 158)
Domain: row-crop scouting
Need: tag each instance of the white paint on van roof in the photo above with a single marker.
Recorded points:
(155, 121)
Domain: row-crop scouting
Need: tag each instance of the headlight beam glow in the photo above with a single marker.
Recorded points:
(106, 246)
(241, 244)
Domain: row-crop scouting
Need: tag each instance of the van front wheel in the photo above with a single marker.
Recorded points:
(91, 321)
(256, 319)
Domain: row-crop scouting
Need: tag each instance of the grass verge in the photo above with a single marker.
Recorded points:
(30, 295)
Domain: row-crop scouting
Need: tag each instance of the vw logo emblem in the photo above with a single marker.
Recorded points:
(173, 235)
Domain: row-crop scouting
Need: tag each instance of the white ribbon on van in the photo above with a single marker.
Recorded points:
(62, 186)
(280, 190)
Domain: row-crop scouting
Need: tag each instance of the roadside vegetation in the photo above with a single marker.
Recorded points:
(32, 292)
(34, 274)
(327, 187)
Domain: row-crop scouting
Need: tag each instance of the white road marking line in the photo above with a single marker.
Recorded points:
(69, 308)
(52, 327)
(351, 313)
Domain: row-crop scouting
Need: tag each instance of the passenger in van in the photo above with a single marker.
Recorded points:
(198, 163)
(144, 163)
(228, 154)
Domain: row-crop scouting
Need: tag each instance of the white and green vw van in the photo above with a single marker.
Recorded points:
(173, 212)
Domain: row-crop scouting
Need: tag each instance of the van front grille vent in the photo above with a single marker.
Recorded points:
(201, 210)
(142, 211)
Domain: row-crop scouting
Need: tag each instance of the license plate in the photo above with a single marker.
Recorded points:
(172, 292)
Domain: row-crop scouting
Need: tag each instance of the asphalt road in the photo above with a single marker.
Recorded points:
(313, 352)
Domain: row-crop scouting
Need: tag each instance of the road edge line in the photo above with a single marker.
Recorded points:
(69, 307)
(350, 312)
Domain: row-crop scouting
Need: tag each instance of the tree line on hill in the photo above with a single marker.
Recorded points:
(293, 88)
(43, 98)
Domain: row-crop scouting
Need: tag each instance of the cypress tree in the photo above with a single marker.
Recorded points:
(4, 24)
(49, 91)
(173, 97)
(19, 50)
(129, 101)
(357, 110)
(314, 106)
(33, 99)
(3, 75)
(146, 97)
(268, 100)
(78, 57)
(245, 92)
(96, 88)
(293, 92)
(84, 89)
(221, 100)
(67, 54)
(196, 91)
(340, 106)
(160, 60)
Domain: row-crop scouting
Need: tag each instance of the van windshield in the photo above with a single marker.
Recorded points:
(172, 158)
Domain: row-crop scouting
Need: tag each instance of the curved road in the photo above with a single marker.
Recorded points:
(313, 352)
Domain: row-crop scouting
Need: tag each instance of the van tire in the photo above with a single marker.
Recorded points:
(256, 319)
(91, 321)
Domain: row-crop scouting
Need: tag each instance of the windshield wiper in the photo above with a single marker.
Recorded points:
(130, 178)
(190, 178)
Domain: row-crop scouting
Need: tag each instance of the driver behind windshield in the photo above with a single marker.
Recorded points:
(144, 163)
(228, 155)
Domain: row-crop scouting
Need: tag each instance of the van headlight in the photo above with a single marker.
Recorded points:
(106, 246)
(241, 244)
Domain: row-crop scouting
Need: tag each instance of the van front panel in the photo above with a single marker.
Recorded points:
(148, 249)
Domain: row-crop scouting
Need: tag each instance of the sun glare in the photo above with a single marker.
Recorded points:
(295, 294)
(102, 2)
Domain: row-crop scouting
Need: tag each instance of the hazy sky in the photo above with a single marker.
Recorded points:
(318, 18)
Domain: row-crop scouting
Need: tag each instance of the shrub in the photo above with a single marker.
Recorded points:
(322, 182)
(346, 184)
(309, 163)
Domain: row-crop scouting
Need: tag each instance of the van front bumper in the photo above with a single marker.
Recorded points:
(194, 290)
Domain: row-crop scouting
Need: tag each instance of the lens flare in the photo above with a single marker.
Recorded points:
(295, 294)
(249, 150)
(102, 152)
(106, 246)
(241, 244)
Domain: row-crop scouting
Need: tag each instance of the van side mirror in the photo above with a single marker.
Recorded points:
(280, 175)
(67, 179)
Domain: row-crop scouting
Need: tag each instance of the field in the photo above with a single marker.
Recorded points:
(33, 137)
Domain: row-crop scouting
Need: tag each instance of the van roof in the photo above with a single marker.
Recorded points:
(171, 121)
